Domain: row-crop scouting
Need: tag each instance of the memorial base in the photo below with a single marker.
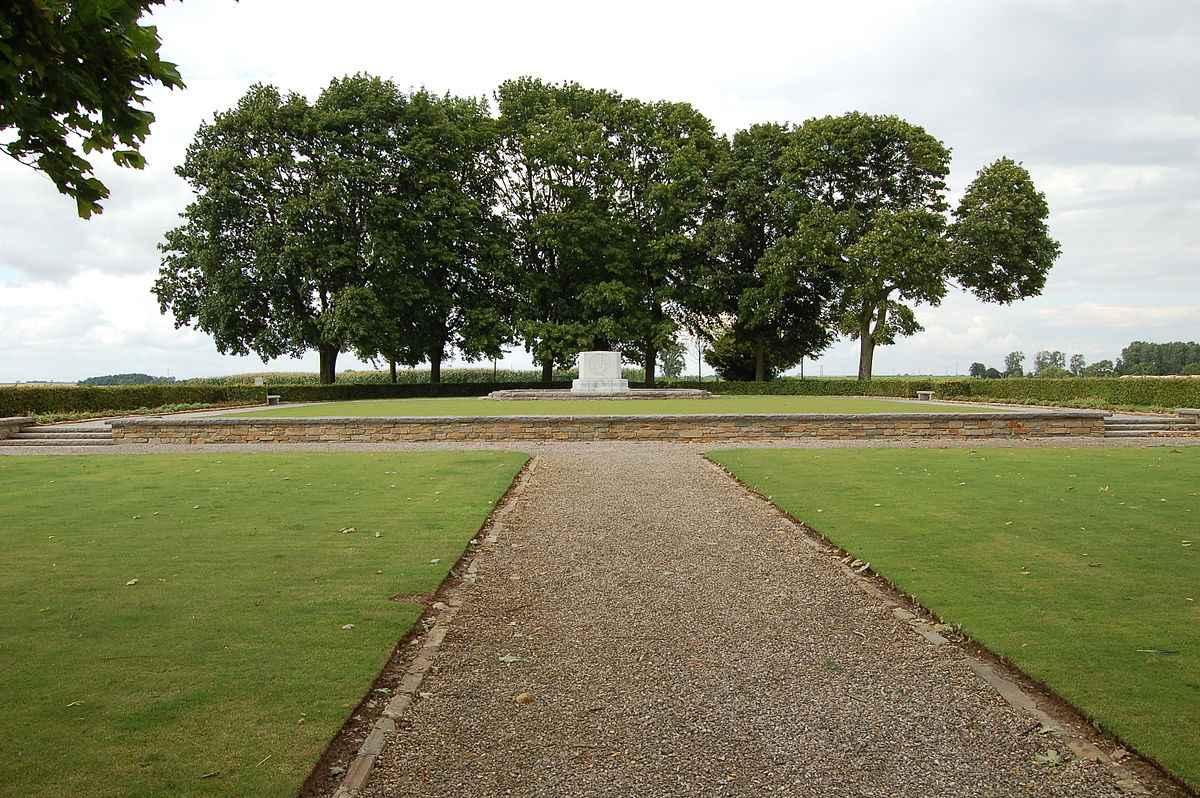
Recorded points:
(599, 387)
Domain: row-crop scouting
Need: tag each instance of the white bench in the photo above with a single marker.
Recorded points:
(925, 396)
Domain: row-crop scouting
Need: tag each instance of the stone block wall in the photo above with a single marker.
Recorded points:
(680, 428)
(13, 424)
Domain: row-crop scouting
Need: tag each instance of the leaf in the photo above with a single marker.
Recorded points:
(131, 582)
(346, 530)
(1051, 758)
(510, 658)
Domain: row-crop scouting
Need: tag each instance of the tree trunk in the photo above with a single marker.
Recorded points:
(760, 359)
(866, 353)
(392, 368)
(328, 354)
(435, 364)
(547, 371)
(650, 364)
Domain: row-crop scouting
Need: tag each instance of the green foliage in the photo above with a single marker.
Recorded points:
(76, 69)
(1176, 357)
(154, 603)
(764, 287)
(671, 358)
(602, 195)
(978, 370)
(1070, 563)
(25, 400)
(1053, 371)
(1000, 245)
(1046, 359)
(872, 189)
(363, 221)
(762, 358)
(500, 377)
(126, 379)
(1012, 364)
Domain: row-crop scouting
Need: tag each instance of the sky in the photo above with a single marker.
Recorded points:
(1098, 99)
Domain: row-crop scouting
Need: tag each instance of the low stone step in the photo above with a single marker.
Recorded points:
(1146, 433)
(56, 441)
(1181, 426)
(57, 434)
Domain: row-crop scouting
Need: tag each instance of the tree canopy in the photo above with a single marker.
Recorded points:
(411, 226)
(350, 223)
(78, 68)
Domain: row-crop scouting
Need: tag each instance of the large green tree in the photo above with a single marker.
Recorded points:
(768, 277)
(72, 76)
(362, 222)
(872, 189)
(665, 157)
(556, 193)
(447, 286)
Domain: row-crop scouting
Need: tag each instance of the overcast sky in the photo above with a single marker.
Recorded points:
(1099, 100)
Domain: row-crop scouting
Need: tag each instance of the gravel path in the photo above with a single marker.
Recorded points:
(678, 637)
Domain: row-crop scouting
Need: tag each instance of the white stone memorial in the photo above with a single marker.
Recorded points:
(599, 375)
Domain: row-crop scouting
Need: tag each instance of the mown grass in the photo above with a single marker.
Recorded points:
(616, 407)
(167, 617)
(1077, 565)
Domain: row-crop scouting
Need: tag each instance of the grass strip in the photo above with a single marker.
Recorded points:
(616, 407)
(1081, 566)
(173, 625)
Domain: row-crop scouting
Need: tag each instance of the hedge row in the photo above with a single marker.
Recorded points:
(404, 377)
(1115, 391)
(30, 400)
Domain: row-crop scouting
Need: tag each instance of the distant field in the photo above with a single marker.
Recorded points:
(598, 407)
(200, 624)
(1082, 566)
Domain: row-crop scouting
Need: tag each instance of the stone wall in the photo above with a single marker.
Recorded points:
(13, 424)
(681, 428)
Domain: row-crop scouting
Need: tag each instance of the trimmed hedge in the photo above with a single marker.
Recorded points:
(1150, 391)
(23, 400)
(404, 377)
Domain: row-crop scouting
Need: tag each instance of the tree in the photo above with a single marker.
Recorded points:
(77, 68)
(762, 279)
(1012, 364)
(664, 157)
(1101, 368)
(556, 193)
(296, 238)
(992, 374)
(447, 255)
(871, 189)
(978, 370)
(1054, 371)
(1176, 357)
(875, 187)
(671, 358)
(1077, 365)
(1047, 358)
(742, 360)
(1001, 248)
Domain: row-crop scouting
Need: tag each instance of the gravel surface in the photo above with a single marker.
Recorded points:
(678, 637)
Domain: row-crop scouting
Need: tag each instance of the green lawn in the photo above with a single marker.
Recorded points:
(166, 617)
(1081, 566)
(620, 407)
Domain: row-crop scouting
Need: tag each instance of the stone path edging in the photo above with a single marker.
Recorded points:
(364, 762)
